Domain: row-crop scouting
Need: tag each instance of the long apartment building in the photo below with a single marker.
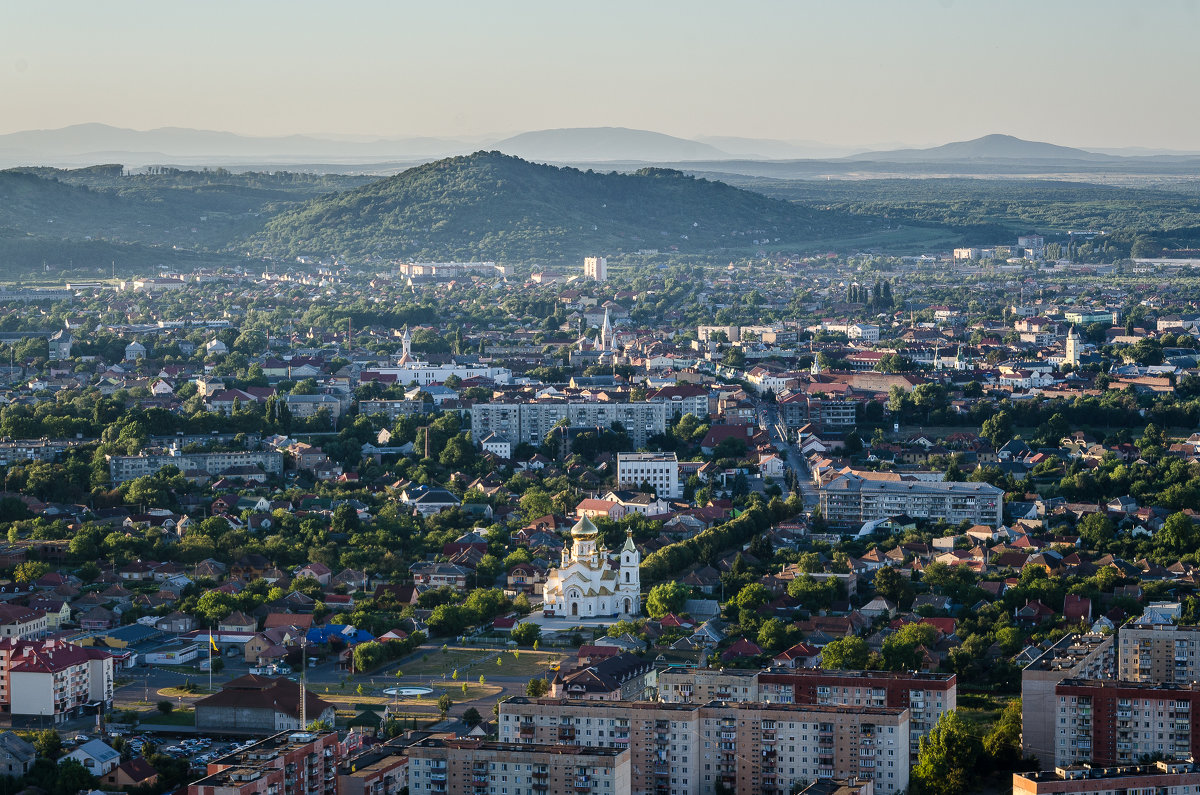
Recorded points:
(530, 421)
(1158, 653)
(690, 749)
(122, 468)
(297, 763)
(849, 501)
(927, 696)
(476, 767)
(1073, 656)
(1108, 722)
(52, 679)
(1160, 778)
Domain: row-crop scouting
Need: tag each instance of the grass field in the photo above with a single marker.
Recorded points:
(471, 663)
(439, 663)
(179, 692)
(176, 717)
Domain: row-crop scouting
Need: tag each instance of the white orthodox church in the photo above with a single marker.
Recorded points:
(587, 585)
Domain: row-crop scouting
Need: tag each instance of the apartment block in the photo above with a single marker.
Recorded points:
(1158, 653)
(702, 685)
(531, 421)
(122, 468)
(927, 696)
(1074, 656)
(849, 501)
(394, 409)
(297, 763)
(53, 679)
(476, 767)
(595, 268)
(1107, 722)
(1160, 778)
(660, 470)
(691, 749)
(827, 413)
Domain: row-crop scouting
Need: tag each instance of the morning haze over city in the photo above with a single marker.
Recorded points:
(640, 398)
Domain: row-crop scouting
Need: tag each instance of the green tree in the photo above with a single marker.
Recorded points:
(773, 635)
(666, 597)
(444, 703)
(471, 717)
(1178, 534)
(946, 762)
(849, 653)
(537, 687)
(526, 633)
(900, 649)
(47, 743)
(998, 428)
(1003, 743)
(890, 584)
(30, 571)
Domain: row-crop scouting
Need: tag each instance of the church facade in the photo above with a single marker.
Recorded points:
(586, 584)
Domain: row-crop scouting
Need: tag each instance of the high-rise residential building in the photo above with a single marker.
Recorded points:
(927, 696)
(1074, 656)
(660, 470)
(595, 268)
(690, 749)
(1160, 778)
(1164, 653)
(849, 501)
(1107, 722)
(476, 767)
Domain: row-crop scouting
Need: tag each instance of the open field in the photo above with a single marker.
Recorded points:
(471, 663)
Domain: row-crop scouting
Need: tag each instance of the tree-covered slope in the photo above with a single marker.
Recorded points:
(490, 205)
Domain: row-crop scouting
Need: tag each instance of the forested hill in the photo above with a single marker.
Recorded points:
(494, 206)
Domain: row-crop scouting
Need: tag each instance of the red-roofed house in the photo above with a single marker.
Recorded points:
(801, 655)
(1077, 609)
(592, 508)
(741, 649)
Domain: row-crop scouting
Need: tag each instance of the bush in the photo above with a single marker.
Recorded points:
(165, 707)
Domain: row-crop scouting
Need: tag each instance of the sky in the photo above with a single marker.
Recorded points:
(850, 72)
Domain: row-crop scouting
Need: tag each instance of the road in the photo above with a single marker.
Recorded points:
(795, 462)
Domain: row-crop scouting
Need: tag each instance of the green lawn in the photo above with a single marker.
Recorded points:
(176, 717)
(438, 663)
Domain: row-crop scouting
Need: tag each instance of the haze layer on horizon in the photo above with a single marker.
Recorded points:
(865, 73)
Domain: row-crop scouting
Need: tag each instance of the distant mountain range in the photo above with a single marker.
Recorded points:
(615, 147)
(598, 144)
(88, 144)
(989, 147)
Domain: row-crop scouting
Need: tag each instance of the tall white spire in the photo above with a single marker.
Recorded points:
(606, 333)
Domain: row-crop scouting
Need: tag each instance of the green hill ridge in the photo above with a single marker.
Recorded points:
(494, 206)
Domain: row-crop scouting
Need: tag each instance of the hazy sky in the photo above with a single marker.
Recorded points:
(1087, 72)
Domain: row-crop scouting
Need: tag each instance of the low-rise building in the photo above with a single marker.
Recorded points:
(260, 704)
